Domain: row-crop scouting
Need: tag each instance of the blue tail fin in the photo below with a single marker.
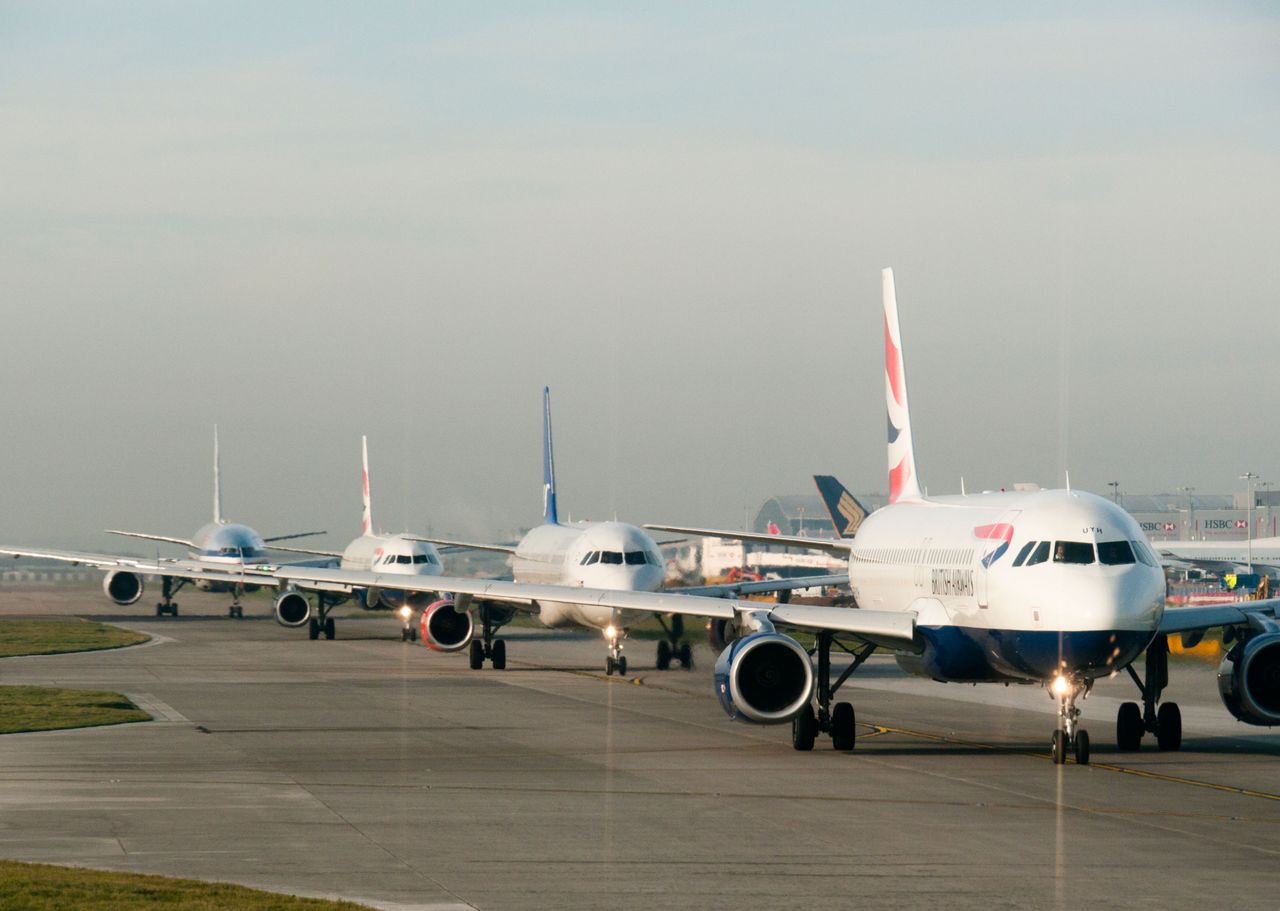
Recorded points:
(548, 463)
(846, 512)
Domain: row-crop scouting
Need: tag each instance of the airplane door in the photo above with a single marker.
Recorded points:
(993, 551)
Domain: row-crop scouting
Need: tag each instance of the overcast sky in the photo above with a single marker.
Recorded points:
(310, 221)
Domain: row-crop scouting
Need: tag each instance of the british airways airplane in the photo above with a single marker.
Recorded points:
(398, 554)
(222, 557)
(1056, 588)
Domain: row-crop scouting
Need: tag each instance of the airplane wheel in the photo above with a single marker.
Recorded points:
(1129, 726)
(843, 734)
(608, 666)
(404, 635)
(804, 730)
(159, 610)
(173, 608)
(477, 654)
(1169, 726)
(1082, 747)
(686, 656)
(413, 634)
(1058, 746)
(313, 629)
(622, 665)
(664, 654)
(499, 656)
(329, 630)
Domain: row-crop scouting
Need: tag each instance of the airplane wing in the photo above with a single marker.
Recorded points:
(298, 534)
(824, 544)
(1208, 616)
(306, 550)
(178, 569)
(137, 534)
(464, 545)
(734, 589)
(888, 628)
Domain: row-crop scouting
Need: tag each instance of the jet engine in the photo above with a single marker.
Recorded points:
(292, 609)
(122, 586)
(1249, 680)
(764, 678)
(444, 628)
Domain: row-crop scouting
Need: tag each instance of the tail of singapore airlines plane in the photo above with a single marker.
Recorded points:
(904, 483)
(548, 463)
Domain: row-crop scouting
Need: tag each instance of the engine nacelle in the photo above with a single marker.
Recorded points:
(444, 628)
(292, 609)
(122, 586)
(1249, 680)
(764, 678)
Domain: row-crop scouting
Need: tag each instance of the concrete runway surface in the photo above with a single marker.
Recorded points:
(370, 769)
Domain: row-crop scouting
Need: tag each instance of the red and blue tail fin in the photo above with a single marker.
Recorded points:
(904, 484)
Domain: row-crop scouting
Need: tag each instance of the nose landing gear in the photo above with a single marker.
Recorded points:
(1069, 737)
(616, 662)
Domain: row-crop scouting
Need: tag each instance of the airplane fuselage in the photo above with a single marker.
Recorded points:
(394, 555)
(602, 555)
(1012, 586)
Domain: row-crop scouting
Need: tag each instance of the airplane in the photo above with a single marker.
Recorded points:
(223, 557)
(1049, 587)
(1263, 554)
(393, 554)
(574, 561)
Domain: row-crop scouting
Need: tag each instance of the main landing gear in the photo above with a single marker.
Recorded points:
(168, 589)
(837, 720)
(488, 647)
(1069, 737)
(616, 662)
(1165, 719)
(321, 622)
(674, 646)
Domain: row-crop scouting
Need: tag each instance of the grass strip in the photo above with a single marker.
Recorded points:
(44, 887)
(56, 637)
(41, 708)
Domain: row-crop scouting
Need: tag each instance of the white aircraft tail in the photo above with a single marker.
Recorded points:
(904, 483)
(366, 521)
(217, 481)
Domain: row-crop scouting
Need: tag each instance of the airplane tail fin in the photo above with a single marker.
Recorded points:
(904, 483)
(217, 480)
(846, 512)
(548, 463)
(366, 519)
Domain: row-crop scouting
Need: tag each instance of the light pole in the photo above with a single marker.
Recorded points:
(1191, 510)
(1249, 477)
(1115, 491)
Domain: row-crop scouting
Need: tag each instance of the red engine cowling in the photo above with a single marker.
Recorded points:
(445, 628)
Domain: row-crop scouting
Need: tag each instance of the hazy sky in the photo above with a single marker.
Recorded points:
(310, 221)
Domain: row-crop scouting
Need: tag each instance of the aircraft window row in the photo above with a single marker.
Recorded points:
(913, 556)
(1109, 553)
(617, 558)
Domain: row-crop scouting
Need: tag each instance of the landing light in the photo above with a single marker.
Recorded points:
(610, 632)
(406, 612)
(1061, 686)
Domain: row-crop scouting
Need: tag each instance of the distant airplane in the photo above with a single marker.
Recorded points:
(1225, 556)
(223, 557)
(400, 554)
(586, 574)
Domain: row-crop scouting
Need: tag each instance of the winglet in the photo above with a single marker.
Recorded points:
(548, 463)
(217, 481)
(904, 483)
(366, 520)
(845, 510)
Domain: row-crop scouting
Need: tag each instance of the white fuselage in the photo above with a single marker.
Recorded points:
(394, 555)
(1226, 556)
(1087, 608)
(607, 555)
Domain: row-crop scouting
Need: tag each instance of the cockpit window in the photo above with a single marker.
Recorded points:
(611, 556)
(1114, 553)
(404, 558)
(591, 558)
(1144, 554)
(635, 558)
(1022, 554)
(1079, 552)
(1040, 554)
(422, 558)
